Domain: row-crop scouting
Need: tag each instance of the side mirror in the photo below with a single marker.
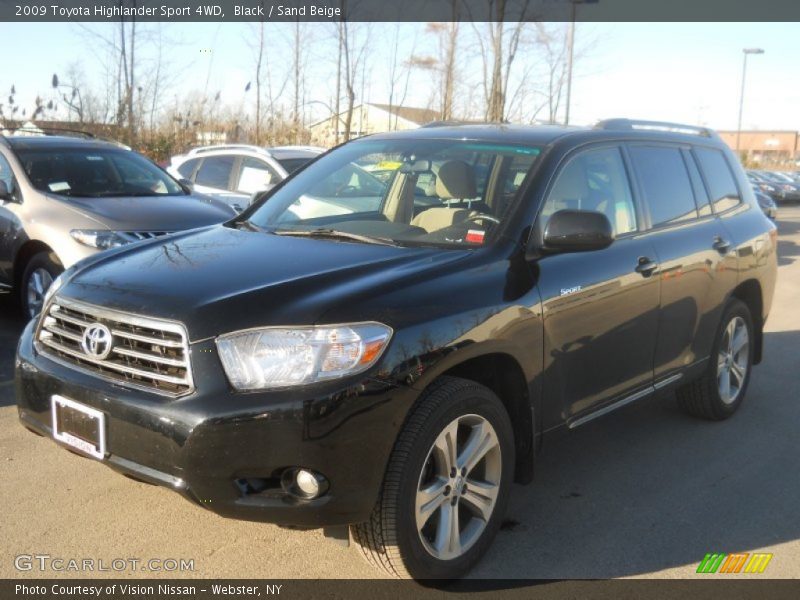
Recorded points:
(187, 185)
(577, 231)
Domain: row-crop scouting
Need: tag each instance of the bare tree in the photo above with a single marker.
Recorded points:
(299, 43)
(399, 76)
(259, 64)
(553, 45)
(498, 50)
(354, 40)
(70, 93)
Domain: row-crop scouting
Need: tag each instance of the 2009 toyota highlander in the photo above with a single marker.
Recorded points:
(394, 368)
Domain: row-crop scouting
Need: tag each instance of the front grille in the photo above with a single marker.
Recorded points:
(144, 353)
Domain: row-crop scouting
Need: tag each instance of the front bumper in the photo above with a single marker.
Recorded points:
(204, 445)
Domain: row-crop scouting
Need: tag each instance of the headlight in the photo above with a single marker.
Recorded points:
(276, 357)
(99, 238)
(788, 188)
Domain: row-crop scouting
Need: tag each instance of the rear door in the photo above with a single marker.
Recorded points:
(600, 307)
(690, 245)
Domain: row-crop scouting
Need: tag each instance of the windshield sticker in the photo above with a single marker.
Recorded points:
(475, 236)
(100, 158)
(59, 186)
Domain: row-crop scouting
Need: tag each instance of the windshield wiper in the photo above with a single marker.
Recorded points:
(333, 234)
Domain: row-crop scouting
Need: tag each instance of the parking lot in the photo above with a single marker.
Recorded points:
(646, 492)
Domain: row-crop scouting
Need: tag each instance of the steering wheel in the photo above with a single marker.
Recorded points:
(483, 217)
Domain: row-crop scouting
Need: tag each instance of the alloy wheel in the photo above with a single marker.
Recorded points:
(733, 360)
(38, 282)
(458, 487)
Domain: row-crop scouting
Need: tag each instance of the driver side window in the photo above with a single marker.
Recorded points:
(594, 180)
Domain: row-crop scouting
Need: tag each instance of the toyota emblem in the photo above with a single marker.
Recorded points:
(96, 341)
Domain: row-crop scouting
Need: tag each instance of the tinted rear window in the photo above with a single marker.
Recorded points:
(665, 183)
(719, 179)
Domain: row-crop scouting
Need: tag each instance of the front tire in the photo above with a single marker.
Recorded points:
(446, 487)
(39, 274)
(720, 391)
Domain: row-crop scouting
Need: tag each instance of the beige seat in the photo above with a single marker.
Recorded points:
(455, 181)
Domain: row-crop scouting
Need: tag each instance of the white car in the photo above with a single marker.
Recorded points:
(233, 173)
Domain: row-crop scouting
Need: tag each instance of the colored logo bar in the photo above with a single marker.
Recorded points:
(739, 562)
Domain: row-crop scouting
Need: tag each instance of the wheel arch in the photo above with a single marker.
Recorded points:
(23, 256)
(749, 292)
(503, 374)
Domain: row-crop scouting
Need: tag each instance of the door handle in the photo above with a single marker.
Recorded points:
(721, 245)
(646, 266)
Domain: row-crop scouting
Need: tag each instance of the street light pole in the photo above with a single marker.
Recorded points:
(746, 52)
(571, 50)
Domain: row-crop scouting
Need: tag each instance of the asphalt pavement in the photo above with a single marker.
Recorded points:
(644, 492)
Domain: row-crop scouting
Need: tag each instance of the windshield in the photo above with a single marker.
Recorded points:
(407, 192)
(95, 173)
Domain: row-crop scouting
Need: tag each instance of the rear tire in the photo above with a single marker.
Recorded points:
(39, 274)
(721, 390)
(470, 420)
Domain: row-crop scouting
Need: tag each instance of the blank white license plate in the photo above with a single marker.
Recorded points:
(79, 426)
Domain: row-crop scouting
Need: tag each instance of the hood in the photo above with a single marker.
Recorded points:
(222, 279)
(153, 213)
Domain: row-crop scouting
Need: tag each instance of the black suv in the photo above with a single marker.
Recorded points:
(393, 362)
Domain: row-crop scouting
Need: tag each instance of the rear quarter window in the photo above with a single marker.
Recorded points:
(719, 179)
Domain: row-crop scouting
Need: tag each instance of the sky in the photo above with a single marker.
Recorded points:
(681, 72)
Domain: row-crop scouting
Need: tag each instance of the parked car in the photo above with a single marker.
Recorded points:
(786, 189)
(66, 198)
(234, 173)
(767, 204)
(394, 369)
(761, 184)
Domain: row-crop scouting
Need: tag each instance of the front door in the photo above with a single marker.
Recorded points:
(601, 307)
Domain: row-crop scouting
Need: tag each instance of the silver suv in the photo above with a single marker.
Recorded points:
(65, 198)
(235, 173)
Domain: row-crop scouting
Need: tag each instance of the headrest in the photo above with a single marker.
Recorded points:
(455, 180)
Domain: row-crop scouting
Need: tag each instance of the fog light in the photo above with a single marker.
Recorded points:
(307, 483)
(304, 483)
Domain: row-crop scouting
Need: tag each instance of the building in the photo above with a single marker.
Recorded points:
(765, 146)
(371, 118)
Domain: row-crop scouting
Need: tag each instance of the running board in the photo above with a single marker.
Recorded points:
(624, 401)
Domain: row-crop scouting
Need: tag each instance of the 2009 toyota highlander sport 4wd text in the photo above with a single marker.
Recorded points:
(393, 366)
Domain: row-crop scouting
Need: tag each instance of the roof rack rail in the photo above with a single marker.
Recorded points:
(46, 130)
(251, 147)
(635, 124)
